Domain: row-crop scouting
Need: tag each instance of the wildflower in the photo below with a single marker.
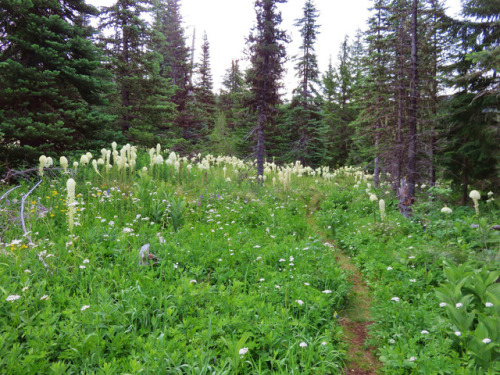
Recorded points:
(13, 297)
(381, 205)
(458, 305)
(326, 291)
(488, 304)
(243, 351)
(442, 304)
(490, 193)
(458, 333)
(44, 297)
(306, 284)
(413, 280)
(396, 299)
(424, 332)
(446, 210)
(300, 302)
(389, 268)
(323, 343)
(392, 341)
(193, 281)
(84, 307)
(412, 359)
(82, 267)
(486, 341)
(127, 230)
(475, 196)
(25, 289)
(373, 198)
(64, 163)
(70, 185)
(86, 261)
(304, 344)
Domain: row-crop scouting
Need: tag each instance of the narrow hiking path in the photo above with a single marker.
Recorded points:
(356, 317)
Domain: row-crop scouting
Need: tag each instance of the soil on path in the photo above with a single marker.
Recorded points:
(355, 318)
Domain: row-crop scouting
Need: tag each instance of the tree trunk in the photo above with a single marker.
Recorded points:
(412, 148)
(125, 89)
(261, 123)
(376, 171)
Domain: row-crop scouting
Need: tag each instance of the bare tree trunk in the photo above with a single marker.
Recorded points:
(412, 148)
(376, 171)
(124, 86)
(261, 123)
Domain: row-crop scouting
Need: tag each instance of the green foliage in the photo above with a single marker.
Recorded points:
(51, 85)
(218, 292)
(402, 262)
(471, 300)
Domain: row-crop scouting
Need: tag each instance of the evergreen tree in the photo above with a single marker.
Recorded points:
(267, 54)
(170, 43)
(370, 134)
(306, 128)
(470, 153)
(49, 83)
(307, 62)
(142, 98)
(232, 102)
(205, 98)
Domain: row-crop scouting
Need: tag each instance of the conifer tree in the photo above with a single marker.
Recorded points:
(307, 61)
(267, 50)
(170, 43)
(49, 83)
(471, 153)
(309, 132)
(142, 99)
(205, 98)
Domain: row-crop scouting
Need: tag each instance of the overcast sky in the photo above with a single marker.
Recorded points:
(228, 22)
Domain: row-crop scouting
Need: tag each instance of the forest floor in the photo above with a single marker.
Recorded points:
(355, 319)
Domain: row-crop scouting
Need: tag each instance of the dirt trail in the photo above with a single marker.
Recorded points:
(356, 317)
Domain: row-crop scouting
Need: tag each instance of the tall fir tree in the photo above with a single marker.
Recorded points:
(306, 128)
(267, 49)
(50, 85)
(177, 66)
(470, 154)
(142, 98)
(205, 98)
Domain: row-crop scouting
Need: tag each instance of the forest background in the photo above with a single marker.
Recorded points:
(413, 98)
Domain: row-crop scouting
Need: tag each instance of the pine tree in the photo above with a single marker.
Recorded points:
(306, 128)
(232, 101)
(142, 99)
(471, 153)
(267, 54)
(370, 133)
(307, 62)
(205, 98)
(49, 83)
(170, 43)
